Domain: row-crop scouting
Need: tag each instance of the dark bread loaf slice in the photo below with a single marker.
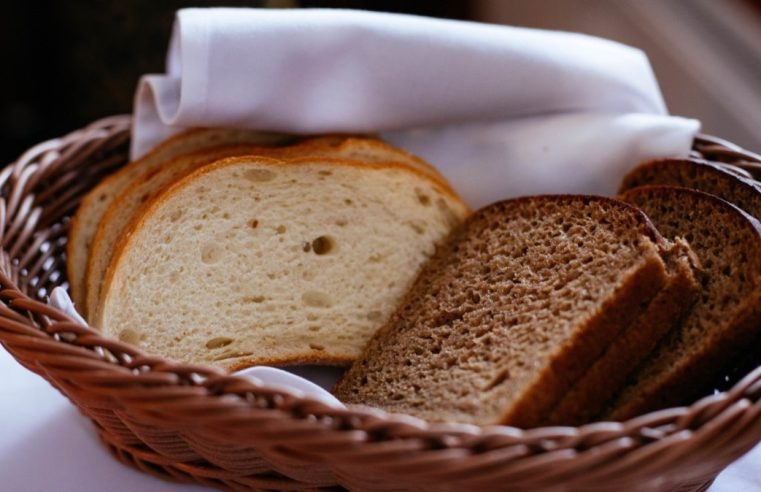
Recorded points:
(605, 377)
(728, 313)
(511, 311)
(699, 175)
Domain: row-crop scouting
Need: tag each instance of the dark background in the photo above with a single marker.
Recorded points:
(65, 64)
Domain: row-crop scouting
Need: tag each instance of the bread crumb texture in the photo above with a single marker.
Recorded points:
(516, 304)
(261, 262)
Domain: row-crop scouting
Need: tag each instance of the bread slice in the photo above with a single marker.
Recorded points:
(123, 207)
(511, 311)
(87, 218)
(95, 204)
(252, 260)
(588, 397)
(144, 188)
(728, 313)
(702, 176)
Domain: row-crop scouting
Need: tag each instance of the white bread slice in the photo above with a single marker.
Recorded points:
(85, 222)
(145, 187)
(253, 260)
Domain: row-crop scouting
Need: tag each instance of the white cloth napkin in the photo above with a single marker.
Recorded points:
(502, 111)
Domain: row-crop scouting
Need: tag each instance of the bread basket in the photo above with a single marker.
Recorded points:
(197, 424)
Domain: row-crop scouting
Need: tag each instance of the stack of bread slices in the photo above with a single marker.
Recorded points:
(235, 248)
(560, 310)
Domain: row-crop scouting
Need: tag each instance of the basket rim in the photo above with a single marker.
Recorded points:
(39, 336)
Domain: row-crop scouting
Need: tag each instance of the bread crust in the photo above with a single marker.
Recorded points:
(700, 175)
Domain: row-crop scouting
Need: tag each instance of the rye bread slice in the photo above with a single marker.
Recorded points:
(699, 175)
(511, 311)
(588, 397)
(95, 204)
(726, 317)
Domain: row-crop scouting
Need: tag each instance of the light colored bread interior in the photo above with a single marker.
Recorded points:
(252, 260)
(146, 186)
(95, 204)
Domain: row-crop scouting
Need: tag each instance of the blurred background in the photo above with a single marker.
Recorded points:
(68, 63)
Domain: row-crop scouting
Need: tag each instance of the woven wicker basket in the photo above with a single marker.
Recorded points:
(196, 424)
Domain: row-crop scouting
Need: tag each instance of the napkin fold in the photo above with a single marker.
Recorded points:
(501, 111)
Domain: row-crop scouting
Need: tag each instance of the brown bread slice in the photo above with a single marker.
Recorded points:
(728, 313)
(700, 175)
(605, 377)
(511, 311)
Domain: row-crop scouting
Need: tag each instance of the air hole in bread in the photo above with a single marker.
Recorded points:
(424, 199)
(129, 336)
(226, 215)
(342, 222)
(325, 173)
(314, 298)
(280, 229)
(211, 253)
(374, 315)
(176, 215)
(323, 245)
(231, 355)
(314, 328)
(417, 226)
(254, 224)
(316, 346)
(259, 175)
(306, 246)
(253, 299)
(198, 227)
(348, 201)
(218, 342)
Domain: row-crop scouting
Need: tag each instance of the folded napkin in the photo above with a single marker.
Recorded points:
(502, 111)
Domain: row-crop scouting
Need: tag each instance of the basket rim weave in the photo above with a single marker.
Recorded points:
(184, 422)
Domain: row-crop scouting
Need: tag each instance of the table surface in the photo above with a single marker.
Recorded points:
(41, 430)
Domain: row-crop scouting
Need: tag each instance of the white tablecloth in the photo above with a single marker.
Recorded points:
(46, 445)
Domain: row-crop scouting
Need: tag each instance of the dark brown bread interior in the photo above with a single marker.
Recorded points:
(588, 397)
(511, 311)
(725, 318)
(700, 175)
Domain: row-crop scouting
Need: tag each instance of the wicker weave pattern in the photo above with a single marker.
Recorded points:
(198, 424)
